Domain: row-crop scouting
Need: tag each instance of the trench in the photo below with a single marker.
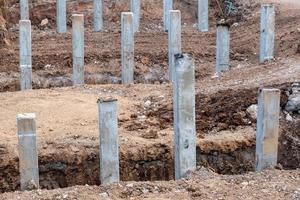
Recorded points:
(69, 162)
(61, 169)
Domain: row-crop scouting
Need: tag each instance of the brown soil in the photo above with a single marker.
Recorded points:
(68, 142)
(67, 117)
(202, 184)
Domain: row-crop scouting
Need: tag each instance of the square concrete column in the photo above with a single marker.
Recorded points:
(174, 40)
(203, 15)
(98, 15)
(109, 145)
(267, 128)
(28, 157)
(184, 115)
(78, 48)
(223, 48)
(25, 55)
(61, 16)
(135, 8)
(267, 32)
(127, 45)
(24, 9)
(168, 5)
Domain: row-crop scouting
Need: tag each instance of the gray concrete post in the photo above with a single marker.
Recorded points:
(98, 15)
(267, 32)
(168, 5)
(135, 8)
(184, 115)
(109, 145)
(24, 9)
(25, 55)
(127, 43)
(223, 48)
(61, 16)
(28, 157)
(203, 15)
(174, 39)
(78, 48)
(267, 128)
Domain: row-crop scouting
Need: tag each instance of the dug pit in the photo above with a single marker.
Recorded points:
(68, 144)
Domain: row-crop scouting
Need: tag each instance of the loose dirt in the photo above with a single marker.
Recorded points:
(202, 184)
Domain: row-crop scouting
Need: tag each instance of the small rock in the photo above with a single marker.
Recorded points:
(129, 185)
(279, 166)
(235, 24)
(216, 75)
(244, 183)
(293, 104)
(289, 117)
(74, 149)
(145, 191)
(252, 111)
(44, 22)
(31, 185)
(39, 192)
(103, 195)
(65, 196)
(150, 135)
(147, 104)
(142, 118)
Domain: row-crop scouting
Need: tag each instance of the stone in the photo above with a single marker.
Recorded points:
(104, 195)
(147, 104)
(44, 22)
(145, 190)
(289, 117)
(252, 111)
(130, 185)
(293, 104)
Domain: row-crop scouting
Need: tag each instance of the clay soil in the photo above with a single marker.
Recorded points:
(68, 137)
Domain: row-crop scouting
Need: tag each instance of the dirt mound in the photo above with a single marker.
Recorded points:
(202, 184)
(224, 110)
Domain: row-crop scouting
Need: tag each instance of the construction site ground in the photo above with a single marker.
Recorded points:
(67, 117)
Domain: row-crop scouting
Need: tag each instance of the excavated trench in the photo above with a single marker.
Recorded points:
(75, 161)
(78, 164)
